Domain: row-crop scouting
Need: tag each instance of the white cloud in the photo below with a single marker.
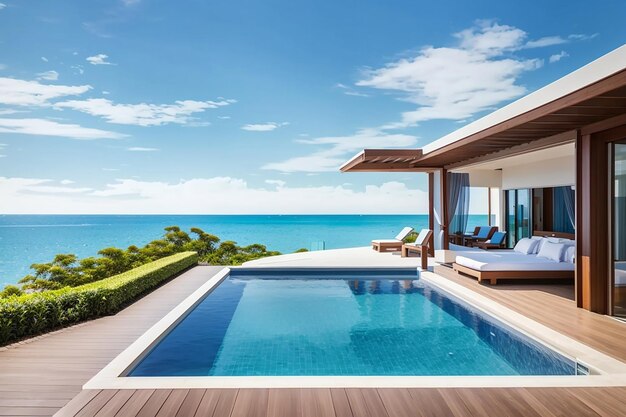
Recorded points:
(48, 75)
(197, 195)
(223, 117)
(143, 114)
(43, 127)
(2, 6)
(557, 57)
(278, 183)
(582, 36)
(78, 69)
(141, 149)
(99, 59)
(263, 127)
(545, 41)
(106, 93)
(457, 82)
(33, 93)
(4, 112)
(44, 59)
(349, 91)
(67, 182)
(338, 149)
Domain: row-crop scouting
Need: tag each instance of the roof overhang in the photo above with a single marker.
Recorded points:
(388, 160)
(592, 95)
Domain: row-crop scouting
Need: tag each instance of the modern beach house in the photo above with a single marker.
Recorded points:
(555, 165)
(360, 332)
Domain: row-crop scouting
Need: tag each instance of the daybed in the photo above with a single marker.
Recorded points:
(553, 260)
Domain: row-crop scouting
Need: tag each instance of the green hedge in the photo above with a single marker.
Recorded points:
(31, 314)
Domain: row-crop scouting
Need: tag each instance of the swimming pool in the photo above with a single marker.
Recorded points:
(340, 323)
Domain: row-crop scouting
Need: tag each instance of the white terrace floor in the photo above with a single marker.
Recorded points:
(344, 258)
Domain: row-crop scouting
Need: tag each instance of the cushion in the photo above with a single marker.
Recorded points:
(552, 251)
(570, 254)
(540, 241)
(525, 246)
(404, 233)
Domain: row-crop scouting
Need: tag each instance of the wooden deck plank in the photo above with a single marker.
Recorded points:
(152, 407)
(340, 402)
(317, 402)
(190, 404)
(135, 403)
(113, 406)
(366, 402)
(251, 403)
(430, 402)
(173, 403)
(225, 403)
(99, 401)
(284, 402)
(77, 403)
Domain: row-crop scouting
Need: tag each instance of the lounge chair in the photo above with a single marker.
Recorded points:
(395, 244)
(496, 241)
(484, 233)
(420, 246)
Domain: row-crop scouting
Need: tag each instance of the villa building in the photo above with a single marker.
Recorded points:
(555, 165)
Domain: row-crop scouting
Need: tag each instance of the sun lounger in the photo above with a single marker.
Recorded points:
(395, 244)
(481, 234)
(496, 241)
(420, 247)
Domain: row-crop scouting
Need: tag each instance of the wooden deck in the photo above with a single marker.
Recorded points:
(40, 377)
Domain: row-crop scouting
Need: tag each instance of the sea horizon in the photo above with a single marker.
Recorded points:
(34, 238)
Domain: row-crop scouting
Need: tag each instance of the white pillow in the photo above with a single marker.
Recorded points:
(570, 254)
(552, 251)
(540, 241)
(525, 246)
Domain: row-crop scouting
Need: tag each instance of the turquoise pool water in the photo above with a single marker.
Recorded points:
(342, 323)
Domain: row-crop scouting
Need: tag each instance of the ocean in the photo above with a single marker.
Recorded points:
(28, 239)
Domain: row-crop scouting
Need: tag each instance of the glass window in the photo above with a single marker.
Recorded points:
(619, 230)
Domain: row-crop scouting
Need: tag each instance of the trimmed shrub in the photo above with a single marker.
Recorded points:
(30, 314)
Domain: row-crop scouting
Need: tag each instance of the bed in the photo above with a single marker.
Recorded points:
(508, 264)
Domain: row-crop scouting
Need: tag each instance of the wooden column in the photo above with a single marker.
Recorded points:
(592, 224)
(431, 212)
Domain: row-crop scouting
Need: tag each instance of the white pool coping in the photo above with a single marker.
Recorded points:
(607, 370)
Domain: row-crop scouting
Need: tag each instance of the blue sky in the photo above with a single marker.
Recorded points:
(142, 106)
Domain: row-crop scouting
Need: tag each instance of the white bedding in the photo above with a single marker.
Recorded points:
(509, 261)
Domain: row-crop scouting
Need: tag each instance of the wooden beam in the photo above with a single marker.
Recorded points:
(536, 145)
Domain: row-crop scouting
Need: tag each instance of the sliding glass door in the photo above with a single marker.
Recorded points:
(518, 211)
(618, 226)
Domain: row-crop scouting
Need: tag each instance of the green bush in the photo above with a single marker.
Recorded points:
(30, 314)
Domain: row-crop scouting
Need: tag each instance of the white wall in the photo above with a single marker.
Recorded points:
(546, 173)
